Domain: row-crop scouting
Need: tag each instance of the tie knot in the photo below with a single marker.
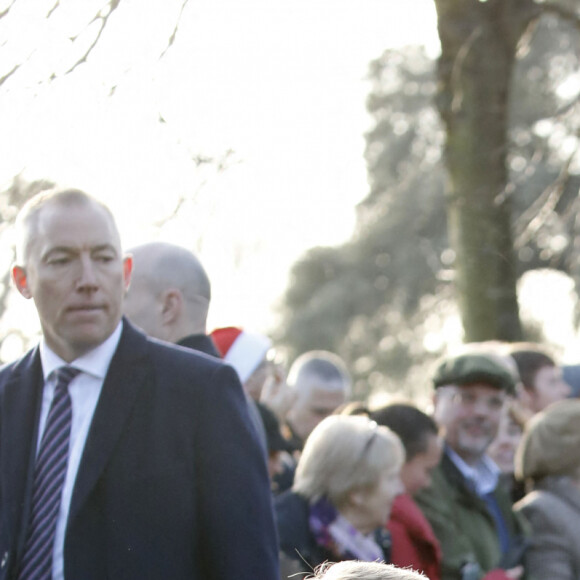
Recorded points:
(64, 375)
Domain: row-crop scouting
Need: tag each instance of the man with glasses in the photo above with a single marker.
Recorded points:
(470, 514)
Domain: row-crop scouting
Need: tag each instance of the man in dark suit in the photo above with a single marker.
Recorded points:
(162, 476)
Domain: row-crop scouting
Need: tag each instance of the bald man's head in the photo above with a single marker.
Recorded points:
(170, 292)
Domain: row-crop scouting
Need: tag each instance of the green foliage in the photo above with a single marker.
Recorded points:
(358, 299)
(384, 301)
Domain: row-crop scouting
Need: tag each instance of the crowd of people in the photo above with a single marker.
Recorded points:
(135, 444)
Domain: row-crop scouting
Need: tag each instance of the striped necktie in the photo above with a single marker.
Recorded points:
(49, 474)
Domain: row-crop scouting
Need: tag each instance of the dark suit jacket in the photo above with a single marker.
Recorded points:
(201, 342)
(172, 484)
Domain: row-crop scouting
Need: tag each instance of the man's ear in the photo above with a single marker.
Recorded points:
(127, 270)
(21, 281)
(172, 303)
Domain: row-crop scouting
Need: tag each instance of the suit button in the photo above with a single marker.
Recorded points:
(4, 560)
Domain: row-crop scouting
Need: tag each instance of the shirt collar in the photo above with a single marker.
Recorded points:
(483, 476)
(95, 362)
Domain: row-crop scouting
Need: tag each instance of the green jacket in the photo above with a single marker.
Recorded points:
(465, 528)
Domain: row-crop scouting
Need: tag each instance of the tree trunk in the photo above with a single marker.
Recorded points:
(478, 45)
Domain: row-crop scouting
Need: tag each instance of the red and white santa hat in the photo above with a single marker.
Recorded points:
(241, 349)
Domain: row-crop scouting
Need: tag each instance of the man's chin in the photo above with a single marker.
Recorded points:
(85, 339)
(475, 447)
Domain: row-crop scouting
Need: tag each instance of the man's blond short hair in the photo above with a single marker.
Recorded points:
(344, 454)
(28, 217)
(352, 570)
(326, 366)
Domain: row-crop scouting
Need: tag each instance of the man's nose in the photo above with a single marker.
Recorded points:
(482, 406)
(87, 276)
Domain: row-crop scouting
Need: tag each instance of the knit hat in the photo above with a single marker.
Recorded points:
(241, 349)
(467, 369)
(551, 442)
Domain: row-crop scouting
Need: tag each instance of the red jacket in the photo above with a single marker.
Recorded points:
(414, 543)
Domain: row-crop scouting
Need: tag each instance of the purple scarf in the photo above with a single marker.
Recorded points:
(336, 534)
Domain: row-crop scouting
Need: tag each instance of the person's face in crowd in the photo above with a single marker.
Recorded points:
(76, 275)
(549, 387)
(374, 505)
(142, 308)
(503, 448)
(470, 417)
(416, 473)
(317, 399)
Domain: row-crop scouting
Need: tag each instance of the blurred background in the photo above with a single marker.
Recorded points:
(382, 179)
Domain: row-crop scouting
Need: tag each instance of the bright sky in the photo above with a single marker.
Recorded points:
(282, 84)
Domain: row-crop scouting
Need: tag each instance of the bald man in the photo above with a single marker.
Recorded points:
(169, 299)
(169, 296)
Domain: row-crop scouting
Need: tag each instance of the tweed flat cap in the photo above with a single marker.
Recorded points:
(468, 369)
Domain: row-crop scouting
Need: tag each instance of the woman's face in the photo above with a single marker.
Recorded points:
(503, 448)
(416, 473)
(374, 505)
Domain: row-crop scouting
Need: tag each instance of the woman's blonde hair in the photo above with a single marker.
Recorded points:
(344, 454)
(352, 570)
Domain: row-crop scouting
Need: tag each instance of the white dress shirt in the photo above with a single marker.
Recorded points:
(84, 390)
(483, 476)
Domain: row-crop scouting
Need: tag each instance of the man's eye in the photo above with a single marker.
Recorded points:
(104, 258)
(58, 261)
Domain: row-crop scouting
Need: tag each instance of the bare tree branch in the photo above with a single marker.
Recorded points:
(5, 12)
(535, 216)
(563, 12)
(9, 74)
(104, 18)
(568, 107)
(525, 41)
(221, 164)
(56, 5)
(462, 54)
(175, 30)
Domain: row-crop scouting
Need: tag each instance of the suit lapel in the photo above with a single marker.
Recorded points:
(127, 373)
(21, 398)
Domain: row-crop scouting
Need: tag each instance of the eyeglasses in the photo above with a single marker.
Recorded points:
(468, 398)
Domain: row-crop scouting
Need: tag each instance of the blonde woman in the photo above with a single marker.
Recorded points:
(345, 484)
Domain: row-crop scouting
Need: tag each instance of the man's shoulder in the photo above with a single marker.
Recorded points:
(177, 364)
(166, 365)
(18, 366)
(135, 344)
(181, 354)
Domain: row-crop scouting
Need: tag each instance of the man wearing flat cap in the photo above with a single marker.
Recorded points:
(470, 514)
